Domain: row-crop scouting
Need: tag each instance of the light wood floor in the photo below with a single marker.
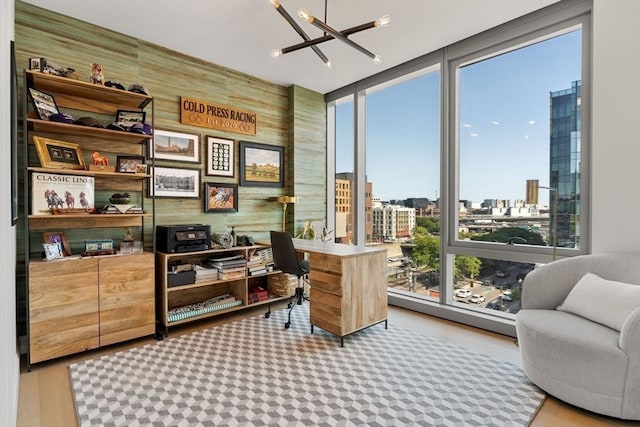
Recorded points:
(46, 398)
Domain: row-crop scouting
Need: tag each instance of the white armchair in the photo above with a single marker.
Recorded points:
(577, 360)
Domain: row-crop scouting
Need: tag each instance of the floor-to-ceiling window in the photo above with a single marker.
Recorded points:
(472, 164)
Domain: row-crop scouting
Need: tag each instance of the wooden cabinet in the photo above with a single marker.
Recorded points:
(191, 297)
(84, 303)
(348, 286)
(80, 303)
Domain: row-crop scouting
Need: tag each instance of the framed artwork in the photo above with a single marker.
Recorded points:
(220, 197)
(167, 145)
(44, 104)
(59, 238)
(261, 165)
(174, 182)
(128, 164)
(56, 154)
(52, 251)
(70, 193)
(220, 156)
(129, 118)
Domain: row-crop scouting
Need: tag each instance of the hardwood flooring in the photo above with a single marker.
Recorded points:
(46, 398)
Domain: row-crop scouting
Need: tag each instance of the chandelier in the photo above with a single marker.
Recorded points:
(329, 34)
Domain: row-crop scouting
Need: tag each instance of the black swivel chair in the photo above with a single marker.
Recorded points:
(286, 260)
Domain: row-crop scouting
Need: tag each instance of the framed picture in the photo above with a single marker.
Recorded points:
(44, 104)
(220, 156)
(220, 197)
(56, 154)
(128, 164)
(261, 165)
(59, 238)
(52, 251)
(128, 118)
(174, 182)
(65, 193)
(168, 145)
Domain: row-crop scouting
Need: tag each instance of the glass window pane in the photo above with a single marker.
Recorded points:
(519, 121)
(344, 177)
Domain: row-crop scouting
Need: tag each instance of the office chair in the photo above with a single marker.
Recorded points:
(286, 260)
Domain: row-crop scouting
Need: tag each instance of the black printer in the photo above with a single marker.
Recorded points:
(183, 238)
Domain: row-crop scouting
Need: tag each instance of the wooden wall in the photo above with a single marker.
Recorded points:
(294, 118)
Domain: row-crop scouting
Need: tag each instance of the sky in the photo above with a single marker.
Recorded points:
(503, 126)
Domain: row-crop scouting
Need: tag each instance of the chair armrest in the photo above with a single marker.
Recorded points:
(630, 335)
(547, 286)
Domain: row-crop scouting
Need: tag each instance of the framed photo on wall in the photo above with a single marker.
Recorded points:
(220, 197)
(182, 147)
(174, 182)
(261, 165)
(56, 154)
(220, 156)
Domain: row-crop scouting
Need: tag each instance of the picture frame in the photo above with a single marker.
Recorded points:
(43, 103)
(175, 182)
(55, 154)
(261, 165)
(128, 164)
(220, 156)
(128, 118)
(57, 237)
(220, 197)
(178, 146)
(52, 251)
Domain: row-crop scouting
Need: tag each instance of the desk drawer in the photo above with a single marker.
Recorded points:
(325, 282)
(325, 262)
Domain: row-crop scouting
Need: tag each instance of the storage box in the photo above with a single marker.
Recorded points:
(181, 278)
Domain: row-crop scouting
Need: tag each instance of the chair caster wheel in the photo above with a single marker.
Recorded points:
(286, 325)
(289, 305)
(267, 315)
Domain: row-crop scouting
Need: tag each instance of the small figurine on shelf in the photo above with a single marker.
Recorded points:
(128, 235)
(99, 159)
(97, 77)
(234, 238)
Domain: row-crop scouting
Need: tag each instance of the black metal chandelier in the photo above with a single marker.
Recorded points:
(329, 33)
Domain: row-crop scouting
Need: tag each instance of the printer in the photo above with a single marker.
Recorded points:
(183, 238)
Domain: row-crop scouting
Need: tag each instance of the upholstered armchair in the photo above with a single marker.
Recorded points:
(579, 332)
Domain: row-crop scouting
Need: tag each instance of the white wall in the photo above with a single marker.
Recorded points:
(615, 133)
(9, 357)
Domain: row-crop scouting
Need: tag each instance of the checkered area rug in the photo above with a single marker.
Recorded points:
(254, 372)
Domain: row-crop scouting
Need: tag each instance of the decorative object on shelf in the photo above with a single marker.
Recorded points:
(220, 156)
(168, 145)
(234, 237)
(97, 75)
(325, 234)
(221, 239)
(52, 251)
(329, 33)
(62, 193)
(174, 182)
(98, 247)
(532, 199)
(100, 163)
(220, 197)
(261, 165)
(56, 154)
(128, 235)
(128, 118)
(284, 201)
(57, 237)
(44, 104)
(128, 164)
(120, 198)
(308, 232)
(141, 168)
(37, 64)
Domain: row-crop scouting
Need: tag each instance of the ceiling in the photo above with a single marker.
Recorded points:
(240, 34)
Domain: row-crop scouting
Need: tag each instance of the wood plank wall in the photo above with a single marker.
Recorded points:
(294, 118)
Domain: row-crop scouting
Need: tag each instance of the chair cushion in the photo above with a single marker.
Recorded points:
(602, 301)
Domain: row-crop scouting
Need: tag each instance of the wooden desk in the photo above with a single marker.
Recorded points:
(348, 286)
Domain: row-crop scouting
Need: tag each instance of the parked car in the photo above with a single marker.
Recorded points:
(462, 293)
(506, 298)
(477, 299)
(502, 273)
(507, 292)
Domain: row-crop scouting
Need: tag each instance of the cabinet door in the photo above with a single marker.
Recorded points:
(63, 308)
(127, 297)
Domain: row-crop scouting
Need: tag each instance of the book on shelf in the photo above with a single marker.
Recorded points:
(257, 294)
(257, 271)
(231, 275)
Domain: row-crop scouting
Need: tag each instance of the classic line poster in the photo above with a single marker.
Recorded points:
(64, 192)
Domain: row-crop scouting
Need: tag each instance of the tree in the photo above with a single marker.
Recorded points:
(426, 250)
(466, 266)
(430, 223)
(504, 234)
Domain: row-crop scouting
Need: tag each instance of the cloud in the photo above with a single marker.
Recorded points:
(473, 134)
(532, 122)
(495, 123)
(466, 125)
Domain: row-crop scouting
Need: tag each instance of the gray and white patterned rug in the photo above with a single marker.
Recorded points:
(253, 372)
